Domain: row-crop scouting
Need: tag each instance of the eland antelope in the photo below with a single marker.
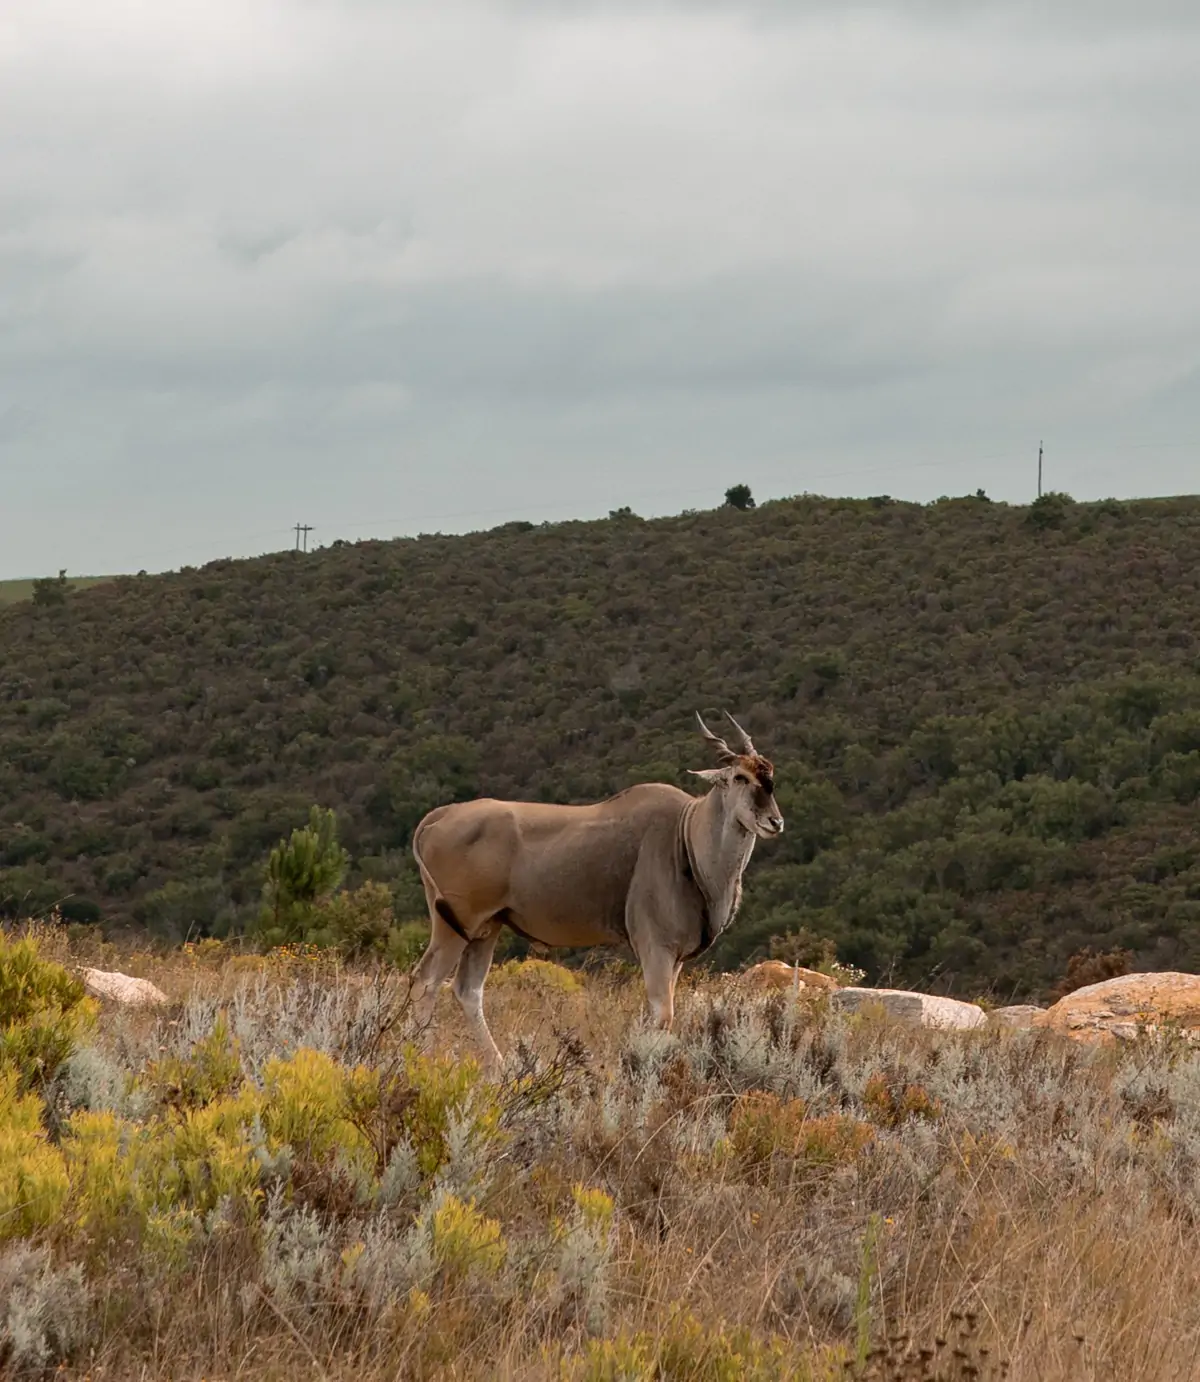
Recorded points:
(652, 867)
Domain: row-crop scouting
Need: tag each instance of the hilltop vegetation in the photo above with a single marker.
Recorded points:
(12, 592)
(985, 719)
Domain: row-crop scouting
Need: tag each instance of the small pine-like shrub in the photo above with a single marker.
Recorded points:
(43, 1011)
(303, 871)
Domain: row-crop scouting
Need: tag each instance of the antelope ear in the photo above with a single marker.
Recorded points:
(711, 774)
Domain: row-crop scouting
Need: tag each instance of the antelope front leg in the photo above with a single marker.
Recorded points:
(660, 969)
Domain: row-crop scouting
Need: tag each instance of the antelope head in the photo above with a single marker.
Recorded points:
(749, 780)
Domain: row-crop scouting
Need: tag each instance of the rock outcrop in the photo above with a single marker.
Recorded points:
(774, 974)
(1117, 1009)
(914, 1009)
(1016, 1015)
(122, 988)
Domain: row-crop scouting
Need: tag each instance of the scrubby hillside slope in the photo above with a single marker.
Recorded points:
(986, 720)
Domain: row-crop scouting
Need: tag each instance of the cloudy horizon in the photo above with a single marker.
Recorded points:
(389, 269)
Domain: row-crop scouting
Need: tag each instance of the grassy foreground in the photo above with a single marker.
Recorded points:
(268, 1179)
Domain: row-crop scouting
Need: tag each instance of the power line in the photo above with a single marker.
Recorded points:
(413, 521)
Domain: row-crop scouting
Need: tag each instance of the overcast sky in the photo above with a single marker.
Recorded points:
(392, 267)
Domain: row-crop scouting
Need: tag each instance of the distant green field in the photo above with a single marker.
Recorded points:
(12, 592)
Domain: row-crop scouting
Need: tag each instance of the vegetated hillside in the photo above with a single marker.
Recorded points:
(985, 720)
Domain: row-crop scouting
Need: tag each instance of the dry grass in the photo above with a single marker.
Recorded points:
(789, 1192)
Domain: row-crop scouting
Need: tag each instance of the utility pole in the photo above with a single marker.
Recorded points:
(306, 528)
(1039, 470)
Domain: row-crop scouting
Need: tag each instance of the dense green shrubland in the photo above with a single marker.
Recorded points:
(986, 720)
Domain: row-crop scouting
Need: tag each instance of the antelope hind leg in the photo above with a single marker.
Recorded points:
(468, 989)
(440, 960)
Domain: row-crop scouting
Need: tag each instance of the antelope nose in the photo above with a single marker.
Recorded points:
(777, 824)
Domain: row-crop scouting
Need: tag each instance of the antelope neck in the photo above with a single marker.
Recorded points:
(718, 849)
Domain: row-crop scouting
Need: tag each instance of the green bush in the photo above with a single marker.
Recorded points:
(43, 1010)
(357, 921)
(406, 943)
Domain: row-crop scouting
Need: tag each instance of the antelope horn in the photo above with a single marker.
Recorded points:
(747, 742)
(721, 746)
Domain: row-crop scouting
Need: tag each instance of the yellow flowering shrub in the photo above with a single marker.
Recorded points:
(307, 1102)
(465, 1240)
(101, 1156)
(625, 1358)
(686, 1350)
(163, 1173)
(209, 953)
(542, 975)
(210, 1071)
(594, 1207)
(762, 1126)
(33, 1176)
(206, 1155)
(443, 1089)
(169, 1169)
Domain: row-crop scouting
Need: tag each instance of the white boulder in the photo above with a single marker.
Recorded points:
(913, 1009)
(122, 988)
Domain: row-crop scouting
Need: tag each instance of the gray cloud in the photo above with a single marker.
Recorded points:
(440, 265)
